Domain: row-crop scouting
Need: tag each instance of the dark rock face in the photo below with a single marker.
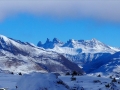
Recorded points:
(50, 44)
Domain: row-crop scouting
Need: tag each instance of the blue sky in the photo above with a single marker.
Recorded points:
(35, 20)
(31, 28)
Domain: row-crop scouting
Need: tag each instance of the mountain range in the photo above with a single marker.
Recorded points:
(90, 55)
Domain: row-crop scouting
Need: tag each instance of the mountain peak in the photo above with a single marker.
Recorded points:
(48, 40)
(3, 37)
(71, 41)
(39, 44)
(55, 40)
(94, 40)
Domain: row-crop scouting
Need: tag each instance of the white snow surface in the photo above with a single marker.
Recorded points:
(40, 81)
(48, 81)
(8, 81)
(90, 83)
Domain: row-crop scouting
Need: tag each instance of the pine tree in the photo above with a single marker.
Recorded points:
(67, 73)
(99, 75)
(12, 73)
(20, 73)
(114, 80)
(74, 73)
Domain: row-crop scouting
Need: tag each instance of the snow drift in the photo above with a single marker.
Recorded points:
(40, 81)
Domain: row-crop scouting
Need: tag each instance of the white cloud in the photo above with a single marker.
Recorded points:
(98, 9)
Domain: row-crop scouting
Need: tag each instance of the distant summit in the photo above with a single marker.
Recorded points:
(91, 46)
(55, 40)
(50, 44)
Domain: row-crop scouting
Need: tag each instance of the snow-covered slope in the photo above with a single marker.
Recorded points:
(112, 66)
(48, 81)
(39, 81)
(91, 83)
(109, 64)
(17, 56)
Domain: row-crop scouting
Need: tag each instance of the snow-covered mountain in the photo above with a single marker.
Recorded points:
(82, 52)
(17, 56)
(74, 47)
(56, 56)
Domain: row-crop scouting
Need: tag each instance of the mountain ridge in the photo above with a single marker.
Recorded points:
(17, 56)
(71, 43)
